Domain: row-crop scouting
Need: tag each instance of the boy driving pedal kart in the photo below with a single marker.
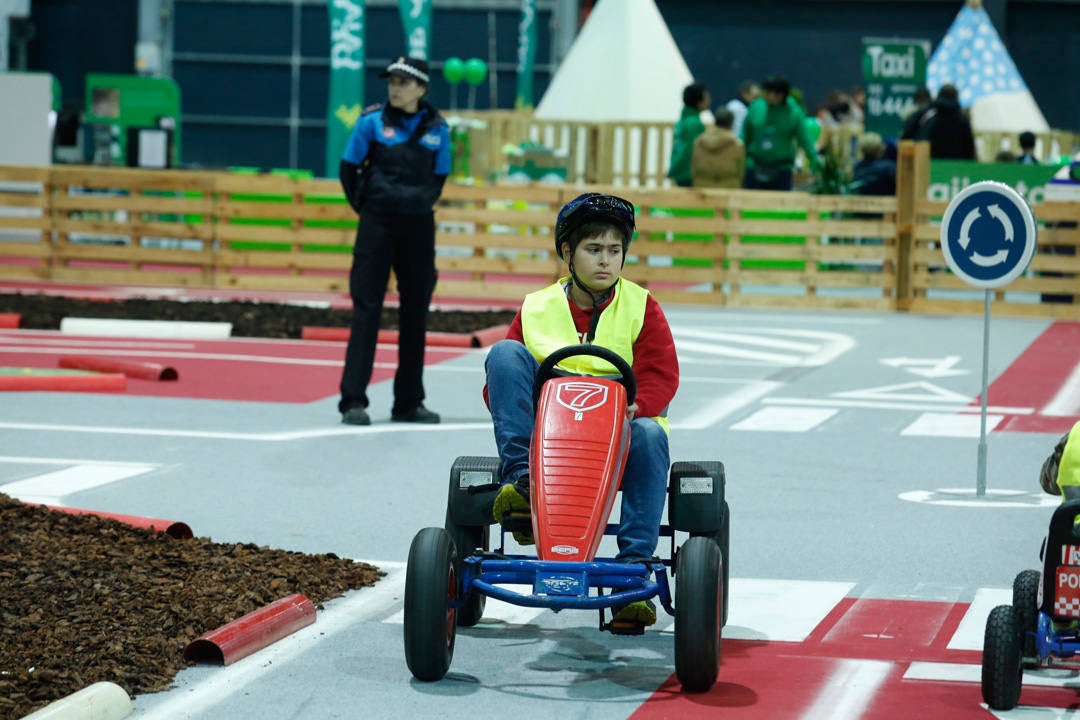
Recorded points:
(591, 305)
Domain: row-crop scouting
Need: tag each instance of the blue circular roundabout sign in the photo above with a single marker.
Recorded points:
(988, 234)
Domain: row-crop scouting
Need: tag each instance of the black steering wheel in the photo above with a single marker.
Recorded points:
(547, 368)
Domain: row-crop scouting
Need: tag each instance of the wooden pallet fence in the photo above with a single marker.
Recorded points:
(25, 223)
(281, 233)
(114, 225)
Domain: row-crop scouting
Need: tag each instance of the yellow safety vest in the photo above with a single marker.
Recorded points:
(547, 324)
(1069, 466)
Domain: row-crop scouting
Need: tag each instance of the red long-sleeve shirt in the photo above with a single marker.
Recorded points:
(656, 366)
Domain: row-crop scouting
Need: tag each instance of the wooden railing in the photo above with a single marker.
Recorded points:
(715, 247)
(637, 153)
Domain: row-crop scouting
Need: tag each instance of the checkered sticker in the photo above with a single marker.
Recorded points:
(1067, 592)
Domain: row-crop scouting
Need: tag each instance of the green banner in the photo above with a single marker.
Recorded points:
(416, 19)
(892, 71)
(526, 55)
(948, 177)
(345, 97)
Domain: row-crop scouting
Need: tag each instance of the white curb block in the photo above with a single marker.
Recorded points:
(173, 329)
(100, 701)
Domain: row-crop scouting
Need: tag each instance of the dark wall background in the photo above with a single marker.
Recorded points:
(237, 112)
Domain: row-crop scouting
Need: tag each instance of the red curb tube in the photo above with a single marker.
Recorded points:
(172, 528)
(139, 370)
(10, 321)
(252, 632)
(387, 337)
(97, 382)
(338, 334)
(489, 336)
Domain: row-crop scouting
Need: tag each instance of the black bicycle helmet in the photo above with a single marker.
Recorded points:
(594, 207)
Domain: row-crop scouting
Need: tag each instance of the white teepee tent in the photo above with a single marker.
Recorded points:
(623, 65)
(972, 57)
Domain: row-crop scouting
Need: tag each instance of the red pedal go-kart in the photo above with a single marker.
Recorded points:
(579, 447)
(1041, 628)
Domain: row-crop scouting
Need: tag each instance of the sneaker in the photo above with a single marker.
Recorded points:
(418, 414)
(355, 416)
(513, 500)
(642, 612)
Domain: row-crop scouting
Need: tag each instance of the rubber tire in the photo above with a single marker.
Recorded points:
(1025, 599)
(723, 539)
(1001, 669)
(699, 601)
(431, 585)
(467, 539)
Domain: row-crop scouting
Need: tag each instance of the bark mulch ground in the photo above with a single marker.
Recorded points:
(249, 319)
(85, 599)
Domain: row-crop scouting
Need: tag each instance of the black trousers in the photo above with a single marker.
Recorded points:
(405, 243)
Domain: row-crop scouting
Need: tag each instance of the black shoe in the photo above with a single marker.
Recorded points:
(419, 414)
(355, 416)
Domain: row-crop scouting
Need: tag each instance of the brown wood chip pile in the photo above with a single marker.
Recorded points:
(85, 599)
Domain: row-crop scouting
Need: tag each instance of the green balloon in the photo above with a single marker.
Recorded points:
(475, 71)
(453, 70)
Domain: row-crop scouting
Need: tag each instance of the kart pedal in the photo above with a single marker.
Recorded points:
(625, 627)
(520, 524)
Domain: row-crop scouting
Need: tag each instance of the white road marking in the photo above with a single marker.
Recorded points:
(270, 359)
(791, 348)
(849, 691)
(951, 425)
(920, 391)
(966, 497)
(875, 405)
(780, 610)
(339, 615)
(32, 342)
(713, 411)
(969, 633)
(284, 436)
(49, 488)
(1066, 402)
(781, 419)
(927, 367)
(967, 672)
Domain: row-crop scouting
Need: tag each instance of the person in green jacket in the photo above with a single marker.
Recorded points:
(695, 99)
(775, 124)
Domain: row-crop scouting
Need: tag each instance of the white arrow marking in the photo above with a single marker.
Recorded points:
(924, 391)
(927, 367)
(990, 260)
(965, 228)
(998, 214)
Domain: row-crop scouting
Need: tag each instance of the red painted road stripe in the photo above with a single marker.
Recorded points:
(851, 666)
(1036, 377)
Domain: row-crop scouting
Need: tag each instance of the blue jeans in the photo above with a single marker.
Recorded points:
(510, 372)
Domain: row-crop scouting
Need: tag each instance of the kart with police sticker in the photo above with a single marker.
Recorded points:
(578, 451)
(1041, 628)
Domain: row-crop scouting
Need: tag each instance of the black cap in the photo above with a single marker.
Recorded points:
(408, 67)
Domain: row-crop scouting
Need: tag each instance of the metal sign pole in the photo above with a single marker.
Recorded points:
(988, 235)
(980, 481)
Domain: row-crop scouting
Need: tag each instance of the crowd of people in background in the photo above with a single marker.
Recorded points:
(753, 140)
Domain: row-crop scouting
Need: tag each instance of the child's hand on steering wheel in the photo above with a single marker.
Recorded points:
(631, 411)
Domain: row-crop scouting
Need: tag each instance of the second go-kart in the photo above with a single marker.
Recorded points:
(1041, 628)
(579, 447)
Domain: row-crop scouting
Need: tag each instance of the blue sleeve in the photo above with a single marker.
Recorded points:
(442, 159)
(357, 147)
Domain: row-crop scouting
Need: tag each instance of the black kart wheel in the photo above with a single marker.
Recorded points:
(722, 538)
(467, 539)
(1001, 670)
(431, 586)
(1025, 599)
(699, 601)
